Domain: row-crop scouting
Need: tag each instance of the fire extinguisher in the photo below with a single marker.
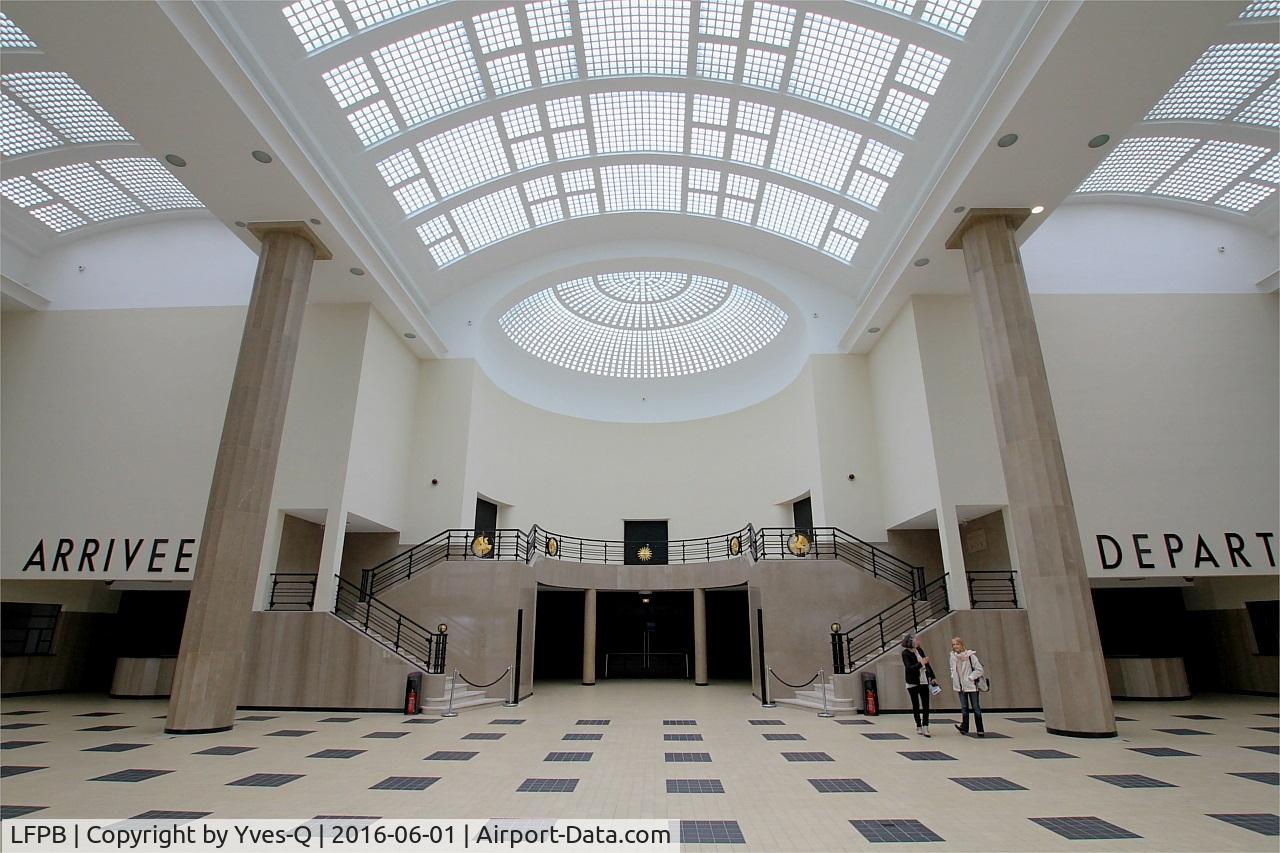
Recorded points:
(869, 706)
(411, 706)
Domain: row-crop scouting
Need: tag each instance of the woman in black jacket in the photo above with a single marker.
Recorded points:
(919, 679)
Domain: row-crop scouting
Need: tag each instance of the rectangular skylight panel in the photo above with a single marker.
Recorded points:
(549, 20)
(922, 69)
(749, 149)
(630, 37)
(711, 109)
(1223, 78)
(150, 182)
(902, 7)
(880, 158)
(902, 112)
(557, 64)
(850, 223)
(954, 16)
(1135, 164)
(497, 30)
(431, 73)
(540, 188)
(546, 212)
(20, 132)
(509, 74)
(741, 186)
(374, 123)
(755, 118)
(530, 152)
(867, 188)
(706, 142)
(565, 112)
(578, 180)
(1265, 109)
(641, 187)
(89, 191)
(716, 61)
(465, 156)
(840, 246)
(739, 210)
(720, 18)
(841, 64)
(793, 214)
(11, 35)
(771, 24)
(1268, 171)
(1245, 196)
(814, 150)
(399, 167)
(522, 121)
(571, 143)
(368, 13)
(491, 218)
(701, 204)
(351, 82)
(638, 121)
(763, 68)
(435, 229)
(415, 196)
(583, 204)
(446, 251)
(706, 180)
(315, 22)
(60, 102)
(58, 216)
(1210, 170)
(23, 192)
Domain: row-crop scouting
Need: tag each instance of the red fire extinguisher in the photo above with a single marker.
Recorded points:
(411, 706)
(869, 706)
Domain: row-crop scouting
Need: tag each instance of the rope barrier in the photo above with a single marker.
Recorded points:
(483, 686)
(795, 686)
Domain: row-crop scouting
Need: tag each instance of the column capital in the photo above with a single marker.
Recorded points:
(297, 229)
(1015, 215)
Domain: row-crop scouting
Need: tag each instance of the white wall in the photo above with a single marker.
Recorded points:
(845, 425)
(441, 426)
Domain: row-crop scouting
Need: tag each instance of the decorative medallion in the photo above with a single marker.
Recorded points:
(553, 546)
(442, 628)
(645, 554)
(735, 546)
(481, 546)
(798, 544)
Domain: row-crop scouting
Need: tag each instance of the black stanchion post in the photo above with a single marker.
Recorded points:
(515, 679)
(764, 672)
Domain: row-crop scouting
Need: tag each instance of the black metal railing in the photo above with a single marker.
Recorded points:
(292, 591)
(456, 544)
(391, 627)
(556, 546)
(826, 543)
(992, 590)
(852, 648)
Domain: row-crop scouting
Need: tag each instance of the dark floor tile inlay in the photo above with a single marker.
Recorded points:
(18, 769)
(695, 786)
(1272, 714)
(583, 736)
(548, 786)
(291, 733)
(682, 737)
(100, 714)
(883, 736)
(1183, 732)
(115, 747)
(7, 812)
(1263, 824)
(1044, 753)
(422, 722)
(927, 755)
(855, 722)
(255, 718)
(339, 719)
(484, 736)
(1026, 719)
(679, 722)
(1162, 752)
(1132, 780)
(766, 722)
(1196, 717)
(505, 722)
(1265, 778)
(711, 832)
(987, 783)
(687, 757)
(592, 723)
(1272, 749)
(266, 780)
(130, 776)
(1083, 828)
(895, 831)
(19, 744)
(225, 750)
(11, 726)
(841, 786)
(807, 756)
(450, 755)
(386, 735)
(104, 728)
(1125, 720)
(568, 756)
(42, 711)
(161, 814)
(1272, 729)
(783, 736)
(405, 783)
(337, 753)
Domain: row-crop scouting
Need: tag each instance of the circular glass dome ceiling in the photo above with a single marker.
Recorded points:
(643, 324)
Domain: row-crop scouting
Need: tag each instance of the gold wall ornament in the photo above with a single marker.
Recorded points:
(735, 546)
(481, 545)
(553, 546)
(645, 554)
(798, 544)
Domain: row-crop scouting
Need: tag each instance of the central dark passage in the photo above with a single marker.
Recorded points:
(644, 635)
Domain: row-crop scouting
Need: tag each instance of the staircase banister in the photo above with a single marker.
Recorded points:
(371, 600)
(891, 557)
(409, 550)
(905, 602)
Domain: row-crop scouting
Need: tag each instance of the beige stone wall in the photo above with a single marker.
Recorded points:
(300, 542)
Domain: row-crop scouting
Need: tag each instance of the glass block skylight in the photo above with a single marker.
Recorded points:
(643, 324)
(47, 109)
(816, 57)
(1227, 81)
(12, 37)
(1261, 9)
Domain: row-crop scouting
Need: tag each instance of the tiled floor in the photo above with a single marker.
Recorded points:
(1137, 791)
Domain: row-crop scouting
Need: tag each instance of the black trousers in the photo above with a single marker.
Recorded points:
(919, 703)
(970, 700)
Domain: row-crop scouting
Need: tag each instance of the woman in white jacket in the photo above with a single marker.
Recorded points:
(966, 669)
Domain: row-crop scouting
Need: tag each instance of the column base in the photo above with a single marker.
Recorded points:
(1065, 733)
(700, 684)
(212, 731)
(588, 684)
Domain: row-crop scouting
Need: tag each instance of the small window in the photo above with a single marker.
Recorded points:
(28, 628)
(1265, 618)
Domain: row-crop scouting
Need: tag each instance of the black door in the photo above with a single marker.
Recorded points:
(645, 539)
(728, 635)
(487, 522)
(557, 643)
(644, 634)
(802, 512)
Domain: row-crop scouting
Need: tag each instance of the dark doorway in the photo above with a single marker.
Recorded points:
(728, 635)
(642, 535)
(644, 635)
(557, 635)
(149, 623)
(487, 521)
(802, 512)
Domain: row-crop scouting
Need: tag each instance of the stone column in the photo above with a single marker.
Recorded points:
(206, 682)
(589, 637)
(335, 538)
(700, 636)
(1064, 631)
(953, 557)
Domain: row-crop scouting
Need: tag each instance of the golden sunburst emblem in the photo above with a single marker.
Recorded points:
(645, 554)
(481, 545)
(553, 547)
(798, 544)
(735, 546)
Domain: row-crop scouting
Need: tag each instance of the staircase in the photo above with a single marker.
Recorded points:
(811, 697)
(464, 696)
(832, 543)
(446, 545)
(390, 627)
(867, 640)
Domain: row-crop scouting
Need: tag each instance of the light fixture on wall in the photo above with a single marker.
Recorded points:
(260, 156)
(1008, 140)
(874, 330)
(175, 160)
(1039, 208)
(852, 477)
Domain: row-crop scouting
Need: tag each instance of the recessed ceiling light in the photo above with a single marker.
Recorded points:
(175, 160)
(921, 262)
(959, 209)
(1007, 140)
(1039, 208)
(261, 156)
(357, 271)
(239, 224)
(1100, 140)
(410, 335)
(873, 330)
(314, 221)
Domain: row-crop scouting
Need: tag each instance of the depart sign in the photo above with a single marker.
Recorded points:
(1177, 553)
(103, 556)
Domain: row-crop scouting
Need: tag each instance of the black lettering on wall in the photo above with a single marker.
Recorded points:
(111, 547)
(183, 553)
(1169, 539)
(65, 547)
(1137, 546)
(1204, 555)
(87, 553)
(36, 558)
(156, 554)
(129, 556)
(1102, 551)
(1266, 540)
(1235, 547)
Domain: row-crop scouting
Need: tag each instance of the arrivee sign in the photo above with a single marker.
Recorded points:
(91, 556)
